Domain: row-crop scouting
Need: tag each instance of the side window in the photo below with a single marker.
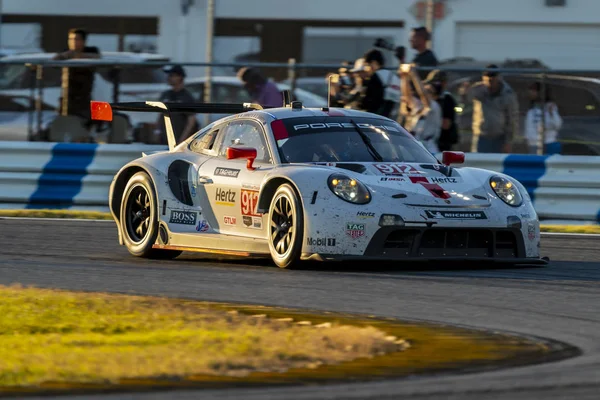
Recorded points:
(245, 134)
(205, 142)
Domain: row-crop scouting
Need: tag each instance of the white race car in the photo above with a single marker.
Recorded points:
(296, 184)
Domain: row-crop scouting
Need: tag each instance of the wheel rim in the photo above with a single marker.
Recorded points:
(282, 225)
(137, 214)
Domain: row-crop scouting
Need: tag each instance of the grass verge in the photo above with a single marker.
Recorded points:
(45, 213)
(51, 335)
(54, 342)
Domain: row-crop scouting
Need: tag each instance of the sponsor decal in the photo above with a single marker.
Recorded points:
(355, 230)
(392, 178)
(325, 242)
(183, 217)
(249, 202)
(525, 216)
(229, 220)
(228, 172)
(225, 197)
(327, 164)
(348, 125)
(252, 222)
(362, 214)
(193, 191)
(443, 180)
(396, 169)
(250, 186)
(202, 226)
(455, 214)
(531, 231)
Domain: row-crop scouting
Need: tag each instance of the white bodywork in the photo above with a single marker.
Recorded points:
(229, 203)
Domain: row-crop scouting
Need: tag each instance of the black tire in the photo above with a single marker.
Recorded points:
(139, 219)
(286, 227)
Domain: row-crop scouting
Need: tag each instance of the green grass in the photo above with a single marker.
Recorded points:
(595, 229)
(44, 213)
(58, 336)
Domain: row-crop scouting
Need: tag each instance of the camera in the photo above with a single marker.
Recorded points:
(399, 52)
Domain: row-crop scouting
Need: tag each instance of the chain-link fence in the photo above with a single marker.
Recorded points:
(30, 98)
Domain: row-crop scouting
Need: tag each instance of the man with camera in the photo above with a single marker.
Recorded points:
(373, 88)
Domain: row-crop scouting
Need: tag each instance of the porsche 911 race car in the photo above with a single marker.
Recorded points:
(294, 183)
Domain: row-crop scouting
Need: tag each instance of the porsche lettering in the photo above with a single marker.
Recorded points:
(344, 125)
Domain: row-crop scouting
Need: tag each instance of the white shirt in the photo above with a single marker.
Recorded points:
(533, 124)
(428, 128)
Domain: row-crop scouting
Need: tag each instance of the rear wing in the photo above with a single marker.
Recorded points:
(103, 111)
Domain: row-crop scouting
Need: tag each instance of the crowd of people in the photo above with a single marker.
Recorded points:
(417, 99)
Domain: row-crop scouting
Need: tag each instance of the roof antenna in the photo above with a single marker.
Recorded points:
(287, 98)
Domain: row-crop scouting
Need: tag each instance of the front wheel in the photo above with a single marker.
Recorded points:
(286, 227)
(139, 220)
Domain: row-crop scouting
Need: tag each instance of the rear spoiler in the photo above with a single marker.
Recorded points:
(103, 111)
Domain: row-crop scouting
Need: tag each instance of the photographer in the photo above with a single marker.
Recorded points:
(423, 114)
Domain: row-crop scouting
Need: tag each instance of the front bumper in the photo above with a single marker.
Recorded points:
(499, 245)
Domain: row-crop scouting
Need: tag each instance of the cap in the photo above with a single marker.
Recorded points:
(174, 69)
(359, 65)
(491, 73)
(436, 76)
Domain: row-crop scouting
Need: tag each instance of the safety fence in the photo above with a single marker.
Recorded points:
(78, 176)
(33, 91)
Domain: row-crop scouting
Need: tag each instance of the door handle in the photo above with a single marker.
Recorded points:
(204, 180)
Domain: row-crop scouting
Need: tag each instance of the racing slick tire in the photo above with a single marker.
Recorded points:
(139, 219)
(286, 227)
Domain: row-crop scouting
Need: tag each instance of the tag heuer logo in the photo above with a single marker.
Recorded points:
(355, 230)
(455, 214)
(183, 217)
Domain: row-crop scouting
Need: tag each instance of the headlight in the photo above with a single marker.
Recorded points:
(349, 189)
(506, 190)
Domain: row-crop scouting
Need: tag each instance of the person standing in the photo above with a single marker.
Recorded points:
(533, 121)
(419, 37)
(261, 90)
(77, 82)
(383, 86)
(184, 124)
(495, 112)
(449, 133)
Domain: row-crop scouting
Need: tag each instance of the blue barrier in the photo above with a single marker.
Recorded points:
(62, 177)
(77, 176)
(527, 169)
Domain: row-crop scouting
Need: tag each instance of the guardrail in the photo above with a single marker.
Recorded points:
(39, 175)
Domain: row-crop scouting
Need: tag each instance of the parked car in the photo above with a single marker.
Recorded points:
(17, 116)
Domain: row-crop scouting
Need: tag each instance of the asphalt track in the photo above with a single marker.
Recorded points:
(560, 301)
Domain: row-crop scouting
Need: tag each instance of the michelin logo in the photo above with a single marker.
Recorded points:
(455, 214)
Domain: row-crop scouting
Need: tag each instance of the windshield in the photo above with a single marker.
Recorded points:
(335, 139)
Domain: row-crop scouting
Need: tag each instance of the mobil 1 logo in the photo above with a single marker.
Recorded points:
(326, 242)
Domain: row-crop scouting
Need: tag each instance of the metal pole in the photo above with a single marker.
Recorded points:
(542, 130)
(38, 105)
(210, 20)
(0, 23)
(292, 77)
(429, 20)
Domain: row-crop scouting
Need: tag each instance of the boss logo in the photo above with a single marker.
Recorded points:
(183, 217)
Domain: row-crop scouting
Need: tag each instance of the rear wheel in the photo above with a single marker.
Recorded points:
(139, 220)
(286, 227)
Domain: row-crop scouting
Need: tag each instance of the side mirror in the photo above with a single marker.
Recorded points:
(453, 157)
(242, 152)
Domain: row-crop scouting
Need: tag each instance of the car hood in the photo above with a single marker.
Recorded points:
(421, 184)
